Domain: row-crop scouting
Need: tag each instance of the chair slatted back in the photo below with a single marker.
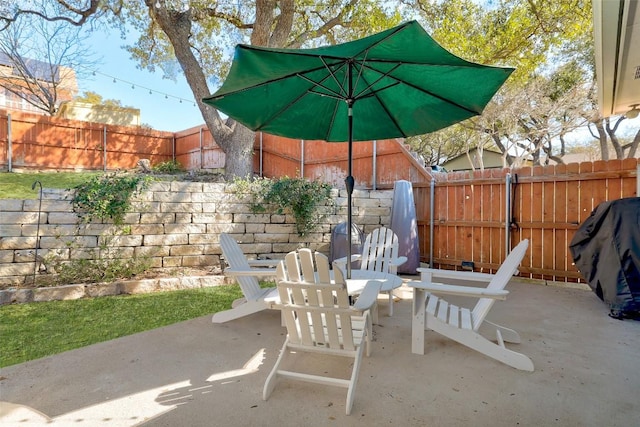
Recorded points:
(380, 246)
(315, 310)
(237, 260)
(305, 266)
(499, 281)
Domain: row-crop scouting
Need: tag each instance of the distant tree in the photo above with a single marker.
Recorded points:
(43, 61)
(533, 121)
(604, 130)
(90, 97)
(551, 93)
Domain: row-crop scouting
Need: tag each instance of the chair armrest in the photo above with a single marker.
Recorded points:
(369, 295)
(265, 263)
(453, 274)
(343, 260)
(466, 291)
(398, 261)
(251, 272)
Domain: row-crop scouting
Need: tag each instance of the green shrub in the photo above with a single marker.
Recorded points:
(298, 196)
(98, 270)
(107, 196)
(169, 167)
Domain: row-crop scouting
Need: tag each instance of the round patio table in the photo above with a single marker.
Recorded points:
(359, 279)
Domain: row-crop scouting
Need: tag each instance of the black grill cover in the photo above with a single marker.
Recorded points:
(606, 250)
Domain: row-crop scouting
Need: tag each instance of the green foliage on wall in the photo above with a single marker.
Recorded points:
(298, 196)
(107, 196)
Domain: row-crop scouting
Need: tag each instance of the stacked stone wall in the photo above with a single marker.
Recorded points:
(175, 224)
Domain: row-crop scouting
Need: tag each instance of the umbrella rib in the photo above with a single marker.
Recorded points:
(393, 33)
(333, 76)
(442, 98)
(336, 95)
(416, 88)
(387, 74)
(277, 113)
(375, 92)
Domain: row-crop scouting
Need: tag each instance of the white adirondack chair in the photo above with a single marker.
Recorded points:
(246, 272)
(461, 324)
(319, 319)
(379, 253)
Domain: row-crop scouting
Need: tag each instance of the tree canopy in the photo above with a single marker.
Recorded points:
(549, 43)
(199, 35)
(552, 92)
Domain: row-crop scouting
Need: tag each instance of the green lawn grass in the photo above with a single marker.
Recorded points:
(35, 330)
(18, 185)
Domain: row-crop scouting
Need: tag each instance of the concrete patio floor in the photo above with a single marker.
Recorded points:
(195, 373)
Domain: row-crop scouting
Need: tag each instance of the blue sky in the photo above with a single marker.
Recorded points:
(161, 109)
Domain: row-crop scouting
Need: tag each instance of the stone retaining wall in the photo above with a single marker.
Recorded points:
(175, 224)
(130, 287)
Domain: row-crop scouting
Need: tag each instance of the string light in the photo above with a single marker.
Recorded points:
(151, 91)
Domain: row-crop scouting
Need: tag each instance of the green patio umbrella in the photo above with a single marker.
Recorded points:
(396, 83)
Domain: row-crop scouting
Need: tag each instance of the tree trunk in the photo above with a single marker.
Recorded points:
(617, 147)
(238, 150)
(634, 145)
(234, 139)
(602, 139)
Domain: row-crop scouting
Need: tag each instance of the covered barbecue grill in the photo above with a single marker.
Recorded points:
(606, 250)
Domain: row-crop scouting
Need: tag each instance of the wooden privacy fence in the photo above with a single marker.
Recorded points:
(196, 149)
(34, 141)
(375, 163)
(475, 215)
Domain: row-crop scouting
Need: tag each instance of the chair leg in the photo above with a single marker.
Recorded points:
(374, 313)
(369, 335)
(270, 383)
(351, 392)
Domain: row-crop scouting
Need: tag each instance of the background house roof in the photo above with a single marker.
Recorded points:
(38, 69)
(616, 25)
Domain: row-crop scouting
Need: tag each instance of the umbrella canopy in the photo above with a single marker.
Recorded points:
(396, 83)
(400, 83)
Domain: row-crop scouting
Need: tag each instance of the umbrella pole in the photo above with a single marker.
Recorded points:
(349, 183)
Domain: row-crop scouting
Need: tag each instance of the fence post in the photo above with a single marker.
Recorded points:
(507, 214)
(201, 153)
(432, 204)
(261, 173)
(302, 158)
(375, 162)
(104, 148)
(9, 145)
(638, 180)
